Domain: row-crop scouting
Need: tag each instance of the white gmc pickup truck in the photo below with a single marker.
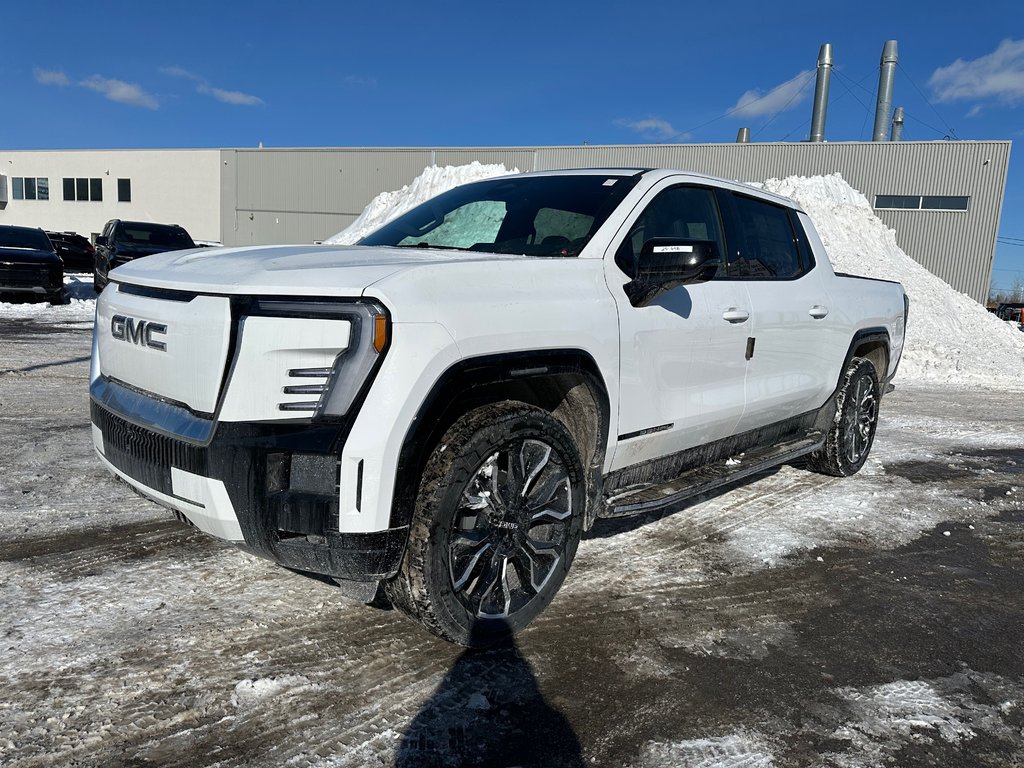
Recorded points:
(446, 407)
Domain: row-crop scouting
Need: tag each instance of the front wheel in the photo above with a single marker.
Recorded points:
(497, 521)
(852, 431)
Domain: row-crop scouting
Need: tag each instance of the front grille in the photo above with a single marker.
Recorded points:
(144, 455)
(28, 276)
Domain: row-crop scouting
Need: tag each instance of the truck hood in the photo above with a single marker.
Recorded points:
(26, 256)
(298, 270)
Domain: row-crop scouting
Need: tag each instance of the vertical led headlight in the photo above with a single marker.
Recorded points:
(368, 342)
(331, 391)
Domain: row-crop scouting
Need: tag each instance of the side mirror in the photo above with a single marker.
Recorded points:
(667, 263)
(101, 240)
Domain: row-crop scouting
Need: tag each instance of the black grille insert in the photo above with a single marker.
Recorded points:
(145, 455)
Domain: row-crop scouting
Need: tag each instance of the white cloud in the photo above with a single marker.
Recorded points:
(998, 75)
(180, 72)
(367, 82)
(755, 103)
(50, 77)
(652, 127)
(229, 97)
(120, 91)
(237, 98)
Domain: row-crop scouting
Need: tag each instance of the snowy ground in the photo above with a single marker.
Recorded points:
(797, 620)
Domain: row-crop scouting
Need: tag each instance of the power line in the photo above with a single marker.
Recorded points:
(785, 106)
(729, 112)
(867, 109)
(942, 120)
(926, 125)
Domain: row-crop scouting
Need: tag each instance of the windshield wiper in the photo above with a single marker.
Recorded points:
(430, 247)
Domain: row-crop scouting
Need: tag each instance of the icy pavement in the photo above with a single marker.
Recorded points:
(797, 620)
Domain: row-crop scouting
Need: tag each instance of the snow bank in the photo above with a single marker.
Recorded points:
(951, 339)
(433, 181)
(81, 306)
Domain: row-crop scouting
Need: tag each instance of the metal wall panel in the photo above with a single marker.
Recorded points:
(289, 195)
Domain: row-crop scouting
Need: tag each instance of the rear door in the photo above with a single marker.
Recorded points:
(792, 339)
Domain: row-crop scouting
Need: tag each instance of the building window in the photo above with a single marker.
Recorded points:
(29, 188)
(124, 190)
(944, 203)
(83, 189)
(923, 202)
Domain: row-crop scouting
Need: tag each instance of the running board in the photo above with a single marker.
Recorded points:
(703, 479)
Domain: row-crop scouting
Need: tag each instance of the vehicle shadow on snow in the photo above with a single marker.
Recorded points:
(489, 711)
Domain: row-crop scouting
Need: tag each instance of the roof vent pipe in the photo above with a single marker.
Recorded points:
(886, 76)
(821, 93)
(897, 125)
(743, 136)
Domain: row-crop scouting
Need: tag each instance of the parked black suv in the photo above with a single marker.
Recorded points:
(123, 241)
(1011, 310)
(29, 265)
(74, 250)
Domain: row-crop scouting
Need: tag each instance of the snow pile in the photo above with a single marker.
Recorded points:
(433, 181)
(81, 306)
(951, 339)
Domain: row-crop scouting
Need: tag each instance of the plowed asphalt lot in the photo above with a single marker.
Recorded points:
(796, 620)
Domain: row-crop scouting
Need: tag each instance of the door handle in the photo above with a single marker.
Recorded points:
(818, 311)
(736, 315)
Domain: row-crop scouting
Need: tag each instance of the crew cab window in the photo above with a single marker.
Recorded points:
(765, 246)
(683, 213)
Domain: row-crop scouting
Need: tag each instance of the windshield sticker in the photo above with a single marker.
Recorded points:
(673, 249)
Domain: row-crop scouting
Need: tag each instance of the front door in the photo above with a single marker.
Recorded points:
(682, 364)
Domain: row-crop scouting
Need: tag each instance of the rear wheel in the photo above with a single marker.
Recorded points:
(852, 431)
(497, 521)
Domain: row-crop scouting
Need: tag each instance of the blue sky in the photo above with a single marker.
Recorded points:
(225, 74)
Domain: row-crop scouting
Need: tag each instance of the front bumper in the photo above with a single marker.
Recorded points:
(269, 487)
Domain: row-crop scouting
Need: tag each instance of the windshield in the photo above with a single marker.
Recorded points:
(154, 235)
(529, 215)
(22, 237)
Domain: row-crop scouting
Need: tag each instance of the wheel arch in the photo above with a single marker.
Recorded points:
(872, 344)
(565, 382)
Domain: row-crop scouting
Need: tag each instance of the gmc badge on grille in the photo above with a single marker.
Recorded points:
(138, 332)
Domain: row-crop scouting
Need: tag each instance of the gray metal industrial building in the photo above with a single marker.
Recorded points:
(943, 198)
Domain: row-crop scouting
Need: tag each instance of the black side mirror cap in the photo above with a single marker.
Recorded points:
(668, 262)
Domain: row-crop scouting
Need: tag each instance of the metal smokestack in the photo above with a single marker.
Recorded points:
(821, 93)
(743, 136)
(886, 76)
(897, 125)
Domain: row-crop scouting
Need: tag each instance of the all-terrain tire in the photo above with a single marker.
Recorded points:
(500, 507)
(852, 431)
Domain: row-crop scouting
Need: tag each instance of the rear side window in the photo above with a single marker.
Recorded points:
(765, 245)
